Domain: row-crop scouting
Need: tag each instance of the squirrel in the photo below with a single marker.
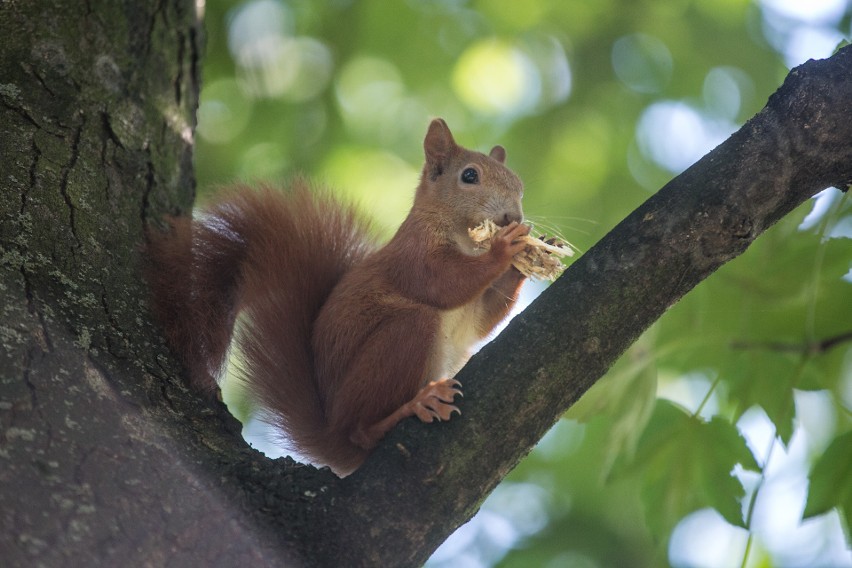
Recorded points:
(342, 339)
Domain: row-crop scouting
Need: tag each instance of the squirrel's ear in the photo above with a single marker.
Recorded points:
(439, 146)
(498, 153)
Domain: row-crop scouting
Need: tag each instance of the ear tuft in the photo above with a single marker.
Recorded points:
(498, 153)
(439, 145)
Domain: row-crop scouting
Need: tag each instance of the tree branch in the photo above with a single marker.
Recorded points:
(425, 480)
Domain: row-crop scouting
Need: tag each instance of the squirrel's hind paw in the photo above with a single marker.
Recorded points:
(434, 400)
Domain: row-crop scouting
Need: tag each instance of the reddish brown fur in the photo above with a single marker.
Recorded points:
(338, 341)
(194, 273)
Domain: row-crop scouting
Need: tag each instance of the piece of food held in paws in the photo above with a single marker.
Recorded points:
(541, 257)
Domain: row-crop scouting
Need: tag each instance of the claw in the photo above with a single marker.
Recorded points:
(433, 401)
(423, 413)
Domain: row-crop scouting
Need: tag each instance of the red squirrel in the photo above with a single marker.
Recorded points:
(341, 340)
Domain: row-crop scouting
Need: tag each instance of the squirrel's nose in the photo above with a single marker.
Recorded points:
(508, 218)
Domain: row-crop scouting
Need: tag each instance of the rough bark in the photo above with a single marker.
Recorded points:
(100, 453)
(107, 458)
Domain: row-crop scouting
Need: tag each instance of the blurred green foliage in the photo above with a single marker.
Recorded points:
(694, 450)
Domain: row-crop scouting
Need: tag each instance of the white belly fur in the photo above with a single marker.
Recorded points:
(457, 334)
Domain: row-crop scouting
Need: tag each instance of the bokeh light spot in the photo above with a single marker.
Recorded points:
(380, 182)
(580, 157)
(495, 78)
(366, 85)
(223, 112)
(642, 62)
(675, 135)
(271, 62)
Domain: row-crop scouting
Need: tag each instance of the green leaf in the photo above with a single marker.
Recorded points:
(686, 464)
(628, 398)
(843, 43)
(756, 377)
(831, 482)
(827, 370)
(725, 448)
(757, 316)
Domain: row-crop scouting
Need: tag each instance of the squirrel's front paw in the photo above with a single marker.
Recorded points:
(434, 401)
(506, 244)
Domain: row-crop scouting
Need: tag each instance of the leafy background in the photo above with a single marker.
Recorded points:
(723, 437)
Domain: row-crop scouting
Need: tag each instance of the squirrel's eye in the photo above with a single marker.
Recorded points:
(470, 175)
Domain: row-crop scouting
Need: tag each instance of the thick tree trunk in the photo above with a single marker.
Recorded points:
(105, 457)
(99, 458)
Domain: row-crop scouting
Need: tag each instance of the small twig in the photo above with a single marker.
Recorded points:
(809, 347)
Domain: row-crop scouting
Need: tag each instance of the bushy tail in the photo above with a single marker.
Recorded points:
(300, 247)
(193, 272)
(274, 257)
